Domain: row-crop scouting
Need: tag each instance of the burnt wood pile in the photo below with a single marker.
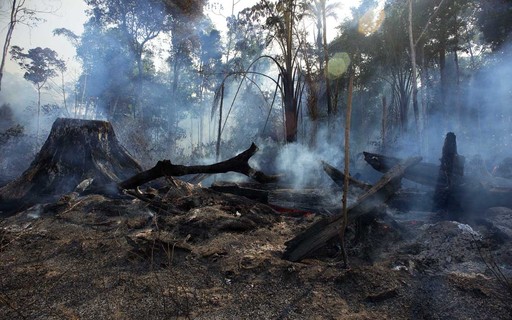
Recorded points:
(85, 156)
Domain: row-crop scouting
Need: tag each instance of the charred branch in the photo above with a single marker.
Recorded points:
(338, 177)
(233, 188)
(163, 168)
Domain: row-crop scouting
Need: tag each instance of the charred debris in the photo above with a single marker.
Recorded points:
(84, 157)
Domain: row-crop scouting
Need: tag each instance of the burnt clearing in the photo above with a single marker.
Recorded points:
(178, 250)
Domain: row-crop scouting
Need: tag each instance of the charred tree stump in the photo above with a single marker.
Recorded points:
(447, 195)
(239, 163)
(321, 232)
(74, 151)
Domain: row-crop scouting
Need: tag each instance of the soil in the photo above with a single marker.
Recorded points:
(199, 254)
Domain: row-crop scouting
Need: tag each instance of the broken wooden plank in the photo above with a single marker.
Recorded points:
(324, 230)
(338, 177)
(239, 164)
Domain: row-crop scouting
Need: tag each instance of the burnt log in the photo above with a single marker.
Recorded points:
(239, 163)
(233, 188)
(338, 177)
(455, 192)
(76, 150)
(422, 173)
(318, 234)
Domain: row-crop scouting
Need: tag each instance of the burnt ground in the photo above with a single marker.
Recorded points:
(205, 255)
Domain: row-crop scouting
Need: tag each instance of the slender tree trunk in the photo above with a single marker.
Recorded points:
(68, 114)
(442, 72)
(326, 73)
(219, 131)
(38, 113)
(347, 170)
(458, 109)
(384, 123)
(12, 23)
(83, 93)
(414, 74)
(139, 86)
(288, 81)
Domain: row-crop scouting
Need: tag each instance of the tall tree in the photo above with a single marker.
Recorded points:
(40, 64)
(281, 19)
(320, 11)
(138, 21)
(19, 13)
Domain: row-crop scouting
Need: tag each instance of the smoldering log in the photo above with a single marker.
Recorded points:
(74, 151)
(239, 163)
(338, 177)
(474, 192)
(324, 230)
(423, 173)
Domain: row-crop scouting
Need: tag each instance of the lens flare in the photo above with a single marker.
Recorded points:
(338, 65)
(371, 21)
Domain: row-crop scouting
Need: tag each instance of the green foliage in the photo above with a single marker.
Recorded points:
(39, 63)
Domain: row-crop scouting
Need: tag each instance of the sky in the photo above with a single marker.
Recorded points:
(68, 14)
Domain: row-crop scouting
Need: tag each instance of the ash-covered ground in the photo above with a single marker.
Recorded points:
(200, 254)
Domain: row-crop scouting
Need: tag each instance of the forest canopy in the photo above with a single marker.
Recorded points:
(176, 83)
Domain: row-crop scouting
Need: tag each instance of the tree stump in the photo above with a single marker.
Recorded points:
(448, 192)
(75, 150)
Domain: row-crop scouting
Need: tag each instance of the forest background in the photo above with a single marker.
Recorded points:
(196, 81)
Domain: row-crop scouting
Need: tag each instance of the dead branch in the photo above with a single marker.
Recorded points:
(163, 168)
(338, 177)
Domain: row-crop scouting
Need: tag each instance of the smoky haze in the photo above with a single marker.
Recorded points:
(177, 99)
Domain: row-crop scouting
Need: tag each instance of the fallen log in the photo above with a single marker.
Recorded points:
(324, 230)
(233, 188)
(423, 173)
(338, 177)
(239, 164)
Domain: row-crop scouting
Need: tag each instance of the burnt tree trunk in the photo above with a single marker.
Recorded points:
(423, 173)
(75, 150)
(448, 188)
